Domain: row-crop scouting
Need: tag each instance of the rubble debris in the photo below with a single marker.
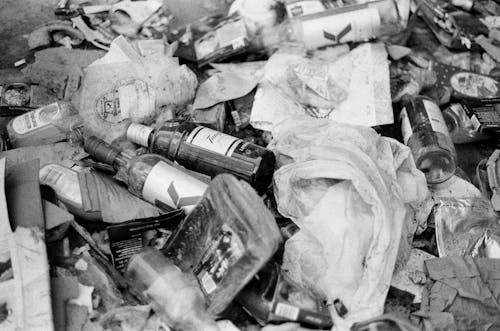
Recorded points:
(236, 165)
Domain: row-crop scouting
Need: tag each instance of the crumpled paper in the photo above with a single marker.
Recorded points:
(353, 88)
(346, 188)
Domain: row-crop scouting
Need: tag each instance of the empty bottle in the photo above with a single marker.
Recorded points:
(207, 151)
(350, 23)
(175, 296)
(425, 132)
(225, 241)
(150, 177)
(45, 125)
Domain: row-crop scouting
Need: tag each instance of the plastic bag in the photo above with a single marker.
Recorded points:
(126, 86)
(466, 226)
(346, 187)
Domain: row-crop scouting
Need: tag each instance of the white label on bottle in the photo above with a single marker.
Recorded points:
(35, 119)
(139, 134)
(213, 140)
(208, 283)
(435, 117)
(355, 25)
(169, 186)
(287, 311)
(63, 181)
(406, 129)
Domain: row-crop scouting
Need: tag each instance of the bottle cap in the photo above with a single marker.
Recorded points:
(139, 134)
(101, 150)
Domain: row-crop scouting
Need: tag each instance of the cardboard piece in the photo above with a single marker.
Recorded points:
(29, 256)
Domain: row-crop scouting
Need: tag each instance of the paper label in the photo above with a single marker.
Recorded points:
(287, 311)
(63, 181)
(129, 98)
(128, 238)
(168, 186)
(406, 129)
(222, 254)
(435, 116)
(351, 25)
(35, 119)
(139, 134)
(213, 140)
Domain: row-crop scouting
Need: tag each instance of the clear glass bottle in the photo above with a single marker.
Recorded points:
(45, 125)
(425, 132)
(150, 177)
(207, 151)
(175, 296)
(350, 23)
(463, 128)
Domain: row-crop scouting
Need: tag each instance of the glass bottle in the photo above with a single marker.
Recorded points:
(175, 296)
(42, 126)
(207, 151)
(225, 241)
(425, 132)
(150, 177)
(350, 23)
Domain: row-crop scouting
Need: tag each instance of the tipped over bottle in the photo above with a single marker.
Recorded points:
(425, 132)
(150, 177)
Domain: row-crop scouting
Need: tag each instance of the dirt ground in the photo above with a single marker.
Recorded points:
(18, 18)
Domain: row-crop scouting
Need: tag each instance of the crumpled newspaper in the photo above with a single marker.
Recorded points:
(347, 189)
(353, 88)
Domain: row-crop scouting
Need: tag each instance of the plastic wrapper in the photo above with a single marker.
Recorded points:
(346, 188)
(125, 86)
(328, 85)
(466, 226)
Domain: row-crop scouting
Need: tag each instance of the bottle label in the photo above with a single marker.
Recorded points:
(168, 186)
(213, 140)
(35, 119)
(287, 311)
(222, 254)
(344, 25)
(435, 117)
(139, 134)
(63, 181)
(406, 129)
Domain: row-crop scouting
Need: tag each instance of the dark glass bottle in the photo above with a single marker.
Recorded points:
(150, 177)
(425, 132)
(207, 151)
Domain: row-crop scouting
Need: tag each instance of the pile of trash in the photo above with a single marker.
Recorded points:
(276, 165)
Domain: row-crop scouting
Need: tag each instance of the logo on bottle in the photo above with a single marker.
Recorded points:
(340, 35)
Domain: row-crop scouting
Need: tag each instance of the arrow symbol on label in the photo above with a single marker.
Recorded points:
(336, 38)
(181, 201)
